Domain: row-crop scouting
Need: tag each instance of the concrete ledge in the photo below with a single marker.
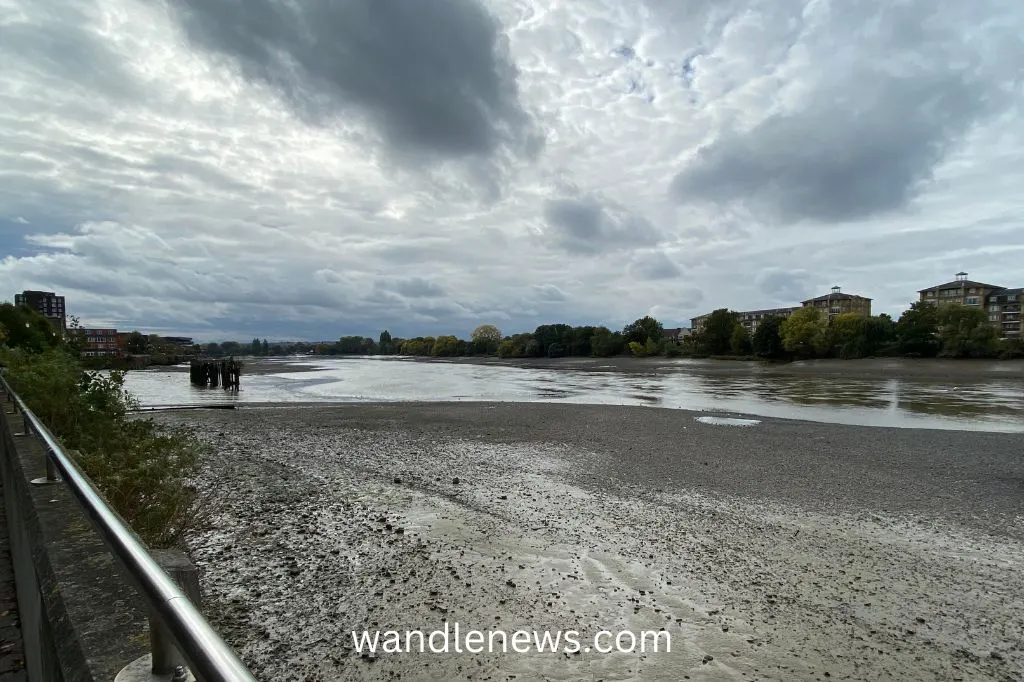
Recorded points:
(81, 618)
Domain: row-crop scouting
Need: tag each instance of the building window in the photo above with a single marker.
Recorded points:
(971, 300)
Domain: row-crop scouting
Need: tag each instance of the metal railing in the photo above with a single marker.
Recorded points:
(209, 658)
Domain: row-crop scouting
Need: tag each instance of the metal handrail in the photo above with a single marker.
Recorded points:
(209, 657)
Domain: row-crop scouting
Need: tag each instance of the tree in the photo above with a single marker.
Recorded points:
(384, 343)
(582, 341)
(547, 334)
(445, 346)
(137, 343)
(557, 350)
(605, 343)
(231, 348)
(767, 342)
(514, 346)
(486, 332)
(74, 338)
(155, 344)
(26, 328)
(803, 332)
(264, 348)
(842, 336)
(739, 344)
(916, 330)
(965, 332)
(639, 331)
(715, 338)
(486, 339)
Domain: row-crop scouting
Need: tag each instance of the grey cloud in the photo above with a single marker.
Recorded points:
(548, 292)
(587, 226)
(434, 75)
(785, 285)
(653, 266)
(413, 287)
(871, 132)
(59, 50)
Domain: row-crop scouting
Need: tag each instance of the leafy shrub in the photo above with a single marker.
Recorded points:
(147, 473)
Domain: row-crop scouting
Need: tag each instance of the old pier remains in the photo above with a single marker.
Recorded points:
(210, 372)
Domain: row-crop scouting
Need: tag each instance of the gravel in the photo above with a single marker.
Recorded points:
(782, 550)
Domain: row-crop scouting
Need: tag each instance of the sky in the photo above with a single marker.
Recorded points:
(306, 169)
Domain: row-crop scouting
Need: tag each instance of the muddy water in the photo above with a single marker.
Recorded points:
(983, 401)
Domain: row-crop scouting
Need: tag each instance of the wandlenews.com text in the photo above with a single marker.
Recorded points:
(454, 639)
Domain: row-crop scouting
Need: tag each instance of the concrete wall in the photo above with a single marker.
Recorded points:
(80, 617)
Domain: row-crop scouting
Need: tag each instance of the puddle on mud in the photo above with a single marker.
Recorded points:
(727, 421)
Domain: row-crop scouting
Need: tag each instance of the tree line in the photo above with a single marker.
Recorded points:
(923, 330)
(645, 336)
(952, 331)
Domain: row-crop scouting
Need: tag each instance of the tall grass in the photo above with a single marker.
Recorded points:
(147, 473)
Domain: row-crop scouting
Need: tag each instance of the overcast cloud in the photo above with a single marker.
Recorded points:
(230, 168)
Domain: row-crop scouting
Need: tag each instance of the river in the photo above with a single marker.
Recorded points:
(980, 401)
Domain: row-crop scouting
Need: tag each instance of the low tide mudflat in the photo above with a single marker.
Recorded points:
(779, 551)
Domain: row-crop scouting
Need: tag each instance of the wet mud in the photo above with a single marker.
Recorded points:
(395, 517)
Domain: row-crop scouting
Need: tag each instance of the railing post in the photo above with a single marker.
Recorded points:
(164, 662)
(26, 428)
(51, 472)
(176, 564)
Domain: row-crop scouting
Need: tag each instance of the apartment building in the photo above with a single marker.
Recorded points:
(1004, 312)
(99, 343)
(748, 318)
(751, 318)
(961, 290)
(1001, 305)
(831, 304)
(47, 303)
(838, 303)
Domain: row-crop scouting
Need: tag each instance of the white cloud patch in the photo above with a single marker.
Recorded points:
(434, 165)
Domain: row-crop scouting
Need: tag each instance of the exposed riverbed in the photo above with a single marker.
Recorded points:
(775, 550)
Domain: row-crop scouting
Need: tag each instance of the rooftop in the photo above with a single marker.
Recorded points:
(768, 310)
(961, 283)
(838, 296)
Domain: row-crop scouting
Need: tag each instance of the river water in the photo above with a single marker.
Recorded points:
(986, 401)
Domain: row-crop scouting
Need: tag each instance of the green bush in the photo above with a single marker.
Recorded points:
(147, 473)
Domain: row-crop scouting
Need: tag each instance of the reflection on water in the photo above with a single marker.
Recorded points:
(986, 403)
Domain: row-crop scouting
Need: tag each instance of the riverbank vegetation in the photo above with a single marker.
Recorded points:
(922, 331)
(147, 473)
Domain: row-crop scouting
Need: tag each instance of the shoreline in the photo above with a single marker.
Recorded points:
(921, 368)
(777, 551)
